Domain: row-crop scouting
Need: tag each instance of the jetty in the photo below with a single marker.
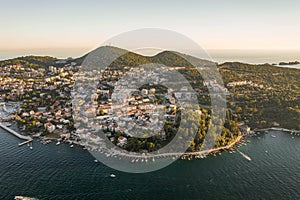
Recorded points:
(22, 137)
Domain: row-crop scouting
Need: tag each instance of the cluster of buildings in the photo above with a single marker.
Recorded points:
(241, 83)
(133, 105)
(45, 96)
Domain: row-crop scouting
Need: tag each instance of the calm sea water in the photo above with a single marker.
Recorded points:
(59, 172)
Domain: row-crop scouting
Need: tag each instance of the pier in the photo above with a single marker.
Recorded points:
(22, 137)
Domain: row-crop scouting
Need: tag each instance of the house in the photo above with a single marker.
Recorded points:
(122, 141)
(50, 127)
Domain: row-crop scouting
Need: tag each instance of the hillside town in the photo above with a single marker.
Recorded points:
(135, 108)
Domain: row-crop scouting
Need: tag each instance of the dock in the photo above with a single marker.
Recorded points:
(23, 143)
(22, 137)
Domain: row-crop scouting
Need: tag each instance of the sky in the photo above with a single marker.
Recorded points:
(48, 26)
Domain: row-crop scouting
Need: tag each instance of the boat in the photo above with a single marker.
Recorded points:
(113, 175)
(96, 161)
(72, 146)
(8, 125)
(244, 155)
(24, 198)
(31, 147)
(58, 143)
(273, 136)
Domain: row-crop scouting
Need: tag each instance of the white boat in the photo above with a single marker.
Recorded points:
(244, 155)
(31, 147)
(273, 136)
(72, 146)
(58, 143)
(113, 175)
(96, 161)
(24, 198)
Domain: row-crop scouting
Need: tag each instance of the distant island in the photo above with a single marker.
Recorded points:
(259, 96)
(290, 63)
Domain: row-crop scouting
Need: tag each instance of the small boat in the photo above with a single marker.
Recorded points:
(96, 161)
(72, 146)
(113, 175)
(244, 155)
(24, 198)
(273, 136)
(31, 147)
(58, 143)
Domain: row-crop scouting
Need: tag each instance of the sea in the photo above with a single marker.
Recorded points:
(60, 172)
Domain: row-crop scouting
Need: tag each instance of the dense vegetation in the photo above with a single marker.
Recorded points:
(270, 96)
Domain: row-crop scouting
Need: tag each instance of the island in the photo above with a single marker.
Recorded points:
(258, 97)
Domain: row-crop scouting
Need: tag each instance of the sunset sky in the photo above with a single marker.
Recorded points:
(213, 24)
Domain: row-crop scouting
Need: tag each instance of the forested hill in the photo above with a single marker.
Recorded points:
(263, 95)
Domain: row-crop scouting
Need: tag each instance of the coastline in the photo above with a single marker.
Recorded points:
(195, 154)
(214, 150)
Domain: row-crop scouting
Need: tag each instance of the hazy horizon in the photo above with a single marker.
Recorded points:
(253, 56)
